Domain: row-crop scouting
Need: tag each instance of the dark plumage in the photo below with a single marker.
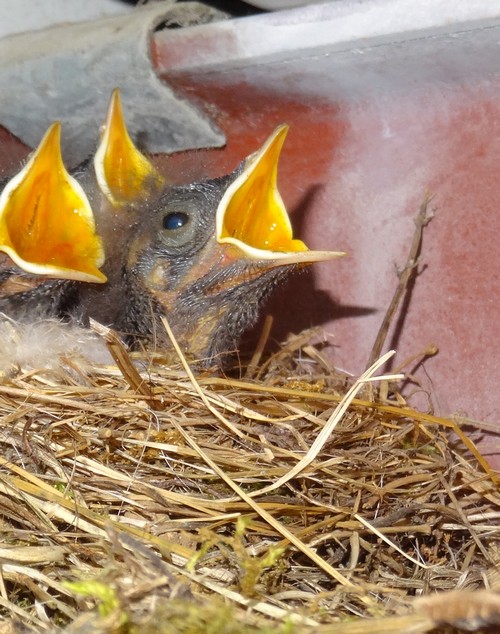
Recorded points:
(197, 254)
(209, 293)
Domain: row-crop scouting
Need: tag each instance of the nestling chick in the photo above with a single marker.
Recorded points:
(204, 255)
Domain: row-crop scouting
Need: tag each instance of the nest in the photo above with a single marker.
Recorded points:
(136, 496)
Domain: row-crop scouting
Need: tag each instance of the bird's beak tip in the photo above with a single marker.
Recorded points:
(46, 222)
(253, 217)
(123, 173)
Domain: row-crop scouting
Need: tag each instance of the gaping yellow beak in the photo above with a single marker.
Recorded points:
(46, 222)
(253, 217)
(124, 174)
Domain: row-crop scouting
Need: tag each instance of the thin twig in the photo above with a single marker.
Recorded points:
(404, 278)
(122, 359)
(261, 344)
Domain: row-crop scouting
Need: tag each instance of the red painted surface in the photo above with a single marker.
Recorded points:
(12, 152)
(353, 176)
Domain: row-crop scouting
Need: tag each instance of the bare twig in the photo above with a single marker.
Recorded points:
(405, 276)
(122, 358)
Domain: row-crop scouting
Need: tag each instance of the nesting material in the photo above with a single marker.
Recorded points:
(48, 344)
(293, 499)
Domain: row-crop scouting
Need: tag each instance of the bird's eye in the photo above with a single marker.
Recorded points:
(175, 220)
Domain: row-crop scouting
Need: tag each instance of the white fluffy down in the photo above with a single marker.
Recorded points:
(47, 344)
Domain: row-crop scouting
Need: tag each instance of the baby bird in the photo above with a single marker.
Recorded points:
(118, 245)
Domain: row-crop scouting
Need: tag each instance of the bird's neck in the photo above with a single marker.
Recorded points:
(207, 325)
